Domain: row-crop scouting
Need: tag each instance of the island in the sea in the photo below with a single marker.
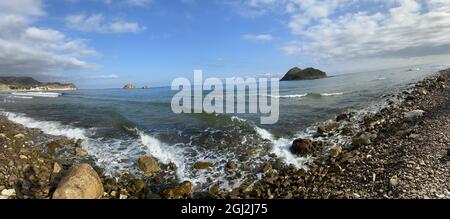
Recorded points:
(297, 74)
(12, 83)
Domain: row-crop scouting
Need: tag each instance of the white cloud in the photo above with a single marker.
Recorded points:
(136, 3)
(22, 7)
(260, 37)
(30, 50)
(97, 23)
(342, 30)
(111, 76)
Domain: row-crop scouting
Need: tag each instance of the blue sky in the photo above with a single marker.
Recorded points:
(107, 43)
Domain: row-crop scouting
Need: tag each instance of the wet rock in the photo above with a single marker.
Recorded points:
(80, 182)
(361, 139)
(342, 116)
(231, 166)
(348, 130)
(203, 165)
(325, 129)
(413, 115)
(148, 165)
(81, 152)
(266, 167)
(448, 152)
(336, 151)
(252, 152)
(301, 147)
(19, 136)
(172, 166)
(139, 185)
(53, 146)
(182, 190)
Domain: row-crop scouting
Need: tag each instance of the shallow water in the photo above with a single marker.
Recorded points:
(120, 125)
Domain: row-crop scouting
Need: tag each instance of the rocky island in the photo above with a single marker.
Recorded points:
(30, 84)
(129, 86)
(297, 74)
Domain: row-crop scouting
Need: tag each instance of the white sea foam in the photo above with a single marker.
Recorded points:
(48, 127)
(332, 94)
(36, 94)
(289, 96)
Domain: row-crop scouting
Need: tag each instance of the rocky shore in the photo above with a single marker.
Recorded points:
(400, 151)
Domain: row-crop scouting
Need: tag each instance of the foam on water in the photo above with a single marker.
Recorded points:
(332, 94)
(51, 128)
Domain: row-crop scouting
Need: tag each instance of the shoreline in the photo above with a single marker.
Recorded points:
(383, 161)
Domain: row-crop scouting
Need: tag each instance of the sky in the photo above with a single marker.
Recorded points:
(108, 43)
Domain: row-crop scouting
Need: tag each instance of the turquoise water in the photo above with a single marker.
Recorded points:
(122, 125)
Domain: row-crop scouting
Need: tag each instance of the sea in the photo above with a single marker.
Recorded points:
(119, 126)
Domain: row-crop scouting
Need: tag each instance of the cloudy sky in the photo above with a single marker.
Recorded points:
(106, 43)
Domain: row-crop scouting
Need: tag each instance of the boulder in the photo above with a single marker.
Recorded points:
(80, 182)
(129, 86)
(180, 191)
(296, 74)
(80, 152)
(302, 147)
(19, 136)
(336, 151)
(361, 139)
(413, 115)
(203, 165)
(148, 165)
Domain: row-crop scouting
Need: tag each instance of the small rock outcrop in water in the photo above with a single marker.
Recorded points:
(297, 74)
(81, 182)
(148, 165)
(146, 87)
(129, 86)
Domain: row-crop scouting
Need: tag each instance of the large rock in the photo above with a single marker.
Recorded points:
(180, 191)
(129, 86)
(203, 165)
(148, 165)
(80, 182)
(296, 74)
(302, 147)
(413, 115)
(361, 139)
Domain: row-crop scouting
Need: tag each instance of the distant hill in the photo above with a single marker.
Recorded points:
(23, 81)
(296, 74)
(29, 83)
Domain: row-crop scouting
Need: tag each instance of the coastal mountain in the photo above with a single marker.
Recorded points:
(29, 83)
(297, 74)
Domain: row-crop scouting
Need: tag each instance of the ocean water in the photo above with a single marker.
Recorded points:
(118, 126)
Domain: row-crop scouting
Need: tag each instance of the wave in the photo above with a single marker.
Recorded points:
(36, 94)
(299, 96)
(48, 127)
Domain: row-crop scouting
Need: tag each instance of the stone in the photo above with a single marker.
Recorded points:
(23, 157)
(362, 139)
(413, 115)
(139, 185)
(394, 181)
(301, 147)
(336, 151)
(182, 190)
(231, 166)
(80, 182)
(8, 192)
(342, 116)
(448, 152)
(266, 167)
(148, 165)
(80, 152)
(203, 165)
(19, 136)
(57, 168)
(53, 146)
